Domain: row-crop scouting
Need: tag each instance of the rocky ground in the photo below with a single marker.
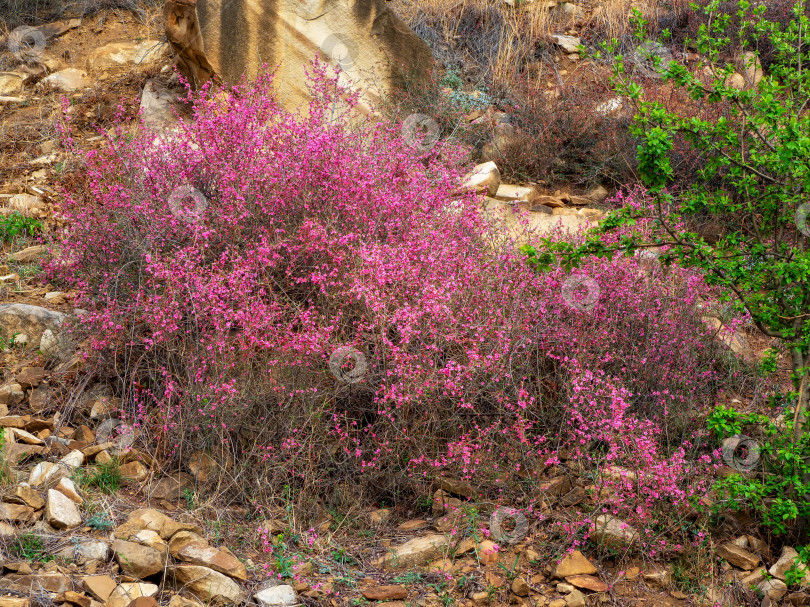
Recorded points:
(87, 518)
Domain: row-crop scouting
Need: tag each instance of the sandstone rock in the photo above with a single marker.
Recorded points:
(121, 54)
(73, 460)
(574, 564)
(172, 488)
(379, 517)
(614, 532)
(415, 552)
(30, 377)
(25, 494)
(134, 471)
(787, 560)
(11, 394)
(49, 344)
(570, 44)
(182, 601)
(773, 589)
(506, 139)
(207, 584)
(11, 83)
(550, 201)
(278, 596)
(7, 532)
(68, 488)
(598, 194)
(147, 537)
(386, 593)
(484, 177)
(487, 552)
(588, 582)
(751, 67)
(575, 599)
(16, 513)
(148, 518)
(23, 436)
(736, 81)
(755, 577)
(31, 320)
(200, 553)
(144, 601)
(49, 581)
(68, 80)
(73, 598)
(413, 525)
(181, 539)
(799, 599)
(84, 551)
(99, 586)
(157, 109)
(29, 206)
(26, 204)
(61, 512)
(14, 453)
(520, 587)
(127, 592)
(367, 40)
(737, 556)
(657, 575)
(137, 560)
(520, 193)
(104, 407)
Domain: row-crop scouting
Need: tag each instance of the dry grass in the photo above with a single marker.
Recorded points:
(493, 41)
(14, 13)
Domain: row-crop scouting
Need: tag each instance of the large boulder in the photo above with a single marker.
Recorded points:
(222, 39)
(29, 320)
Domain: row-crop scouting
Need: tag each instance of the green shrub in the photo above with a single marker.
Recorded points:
(15, 224)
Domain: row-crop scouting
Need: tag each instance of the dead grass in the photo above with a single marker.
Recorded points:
(14, 13)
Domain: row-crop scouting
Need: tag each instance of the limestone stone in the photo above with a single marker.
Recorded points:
(99, 586)
(738, 556)
(773, 589)
(127, 592)
(28, 319)
(138, 560)
(484, 177)
(25, 494)
(575, 563)
(68, 488)
(70, 79)
(83, 551)
(614, 532)
(122, 54)
(171, 488)
(61, 512)
(134, 471)
(415, 552)
(149, 518)
(386, 593)
(200, 553)
(282, 596)
(207, 584)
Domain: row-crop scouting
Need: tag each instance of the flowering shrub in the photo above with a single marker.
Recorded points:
(307, 236)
